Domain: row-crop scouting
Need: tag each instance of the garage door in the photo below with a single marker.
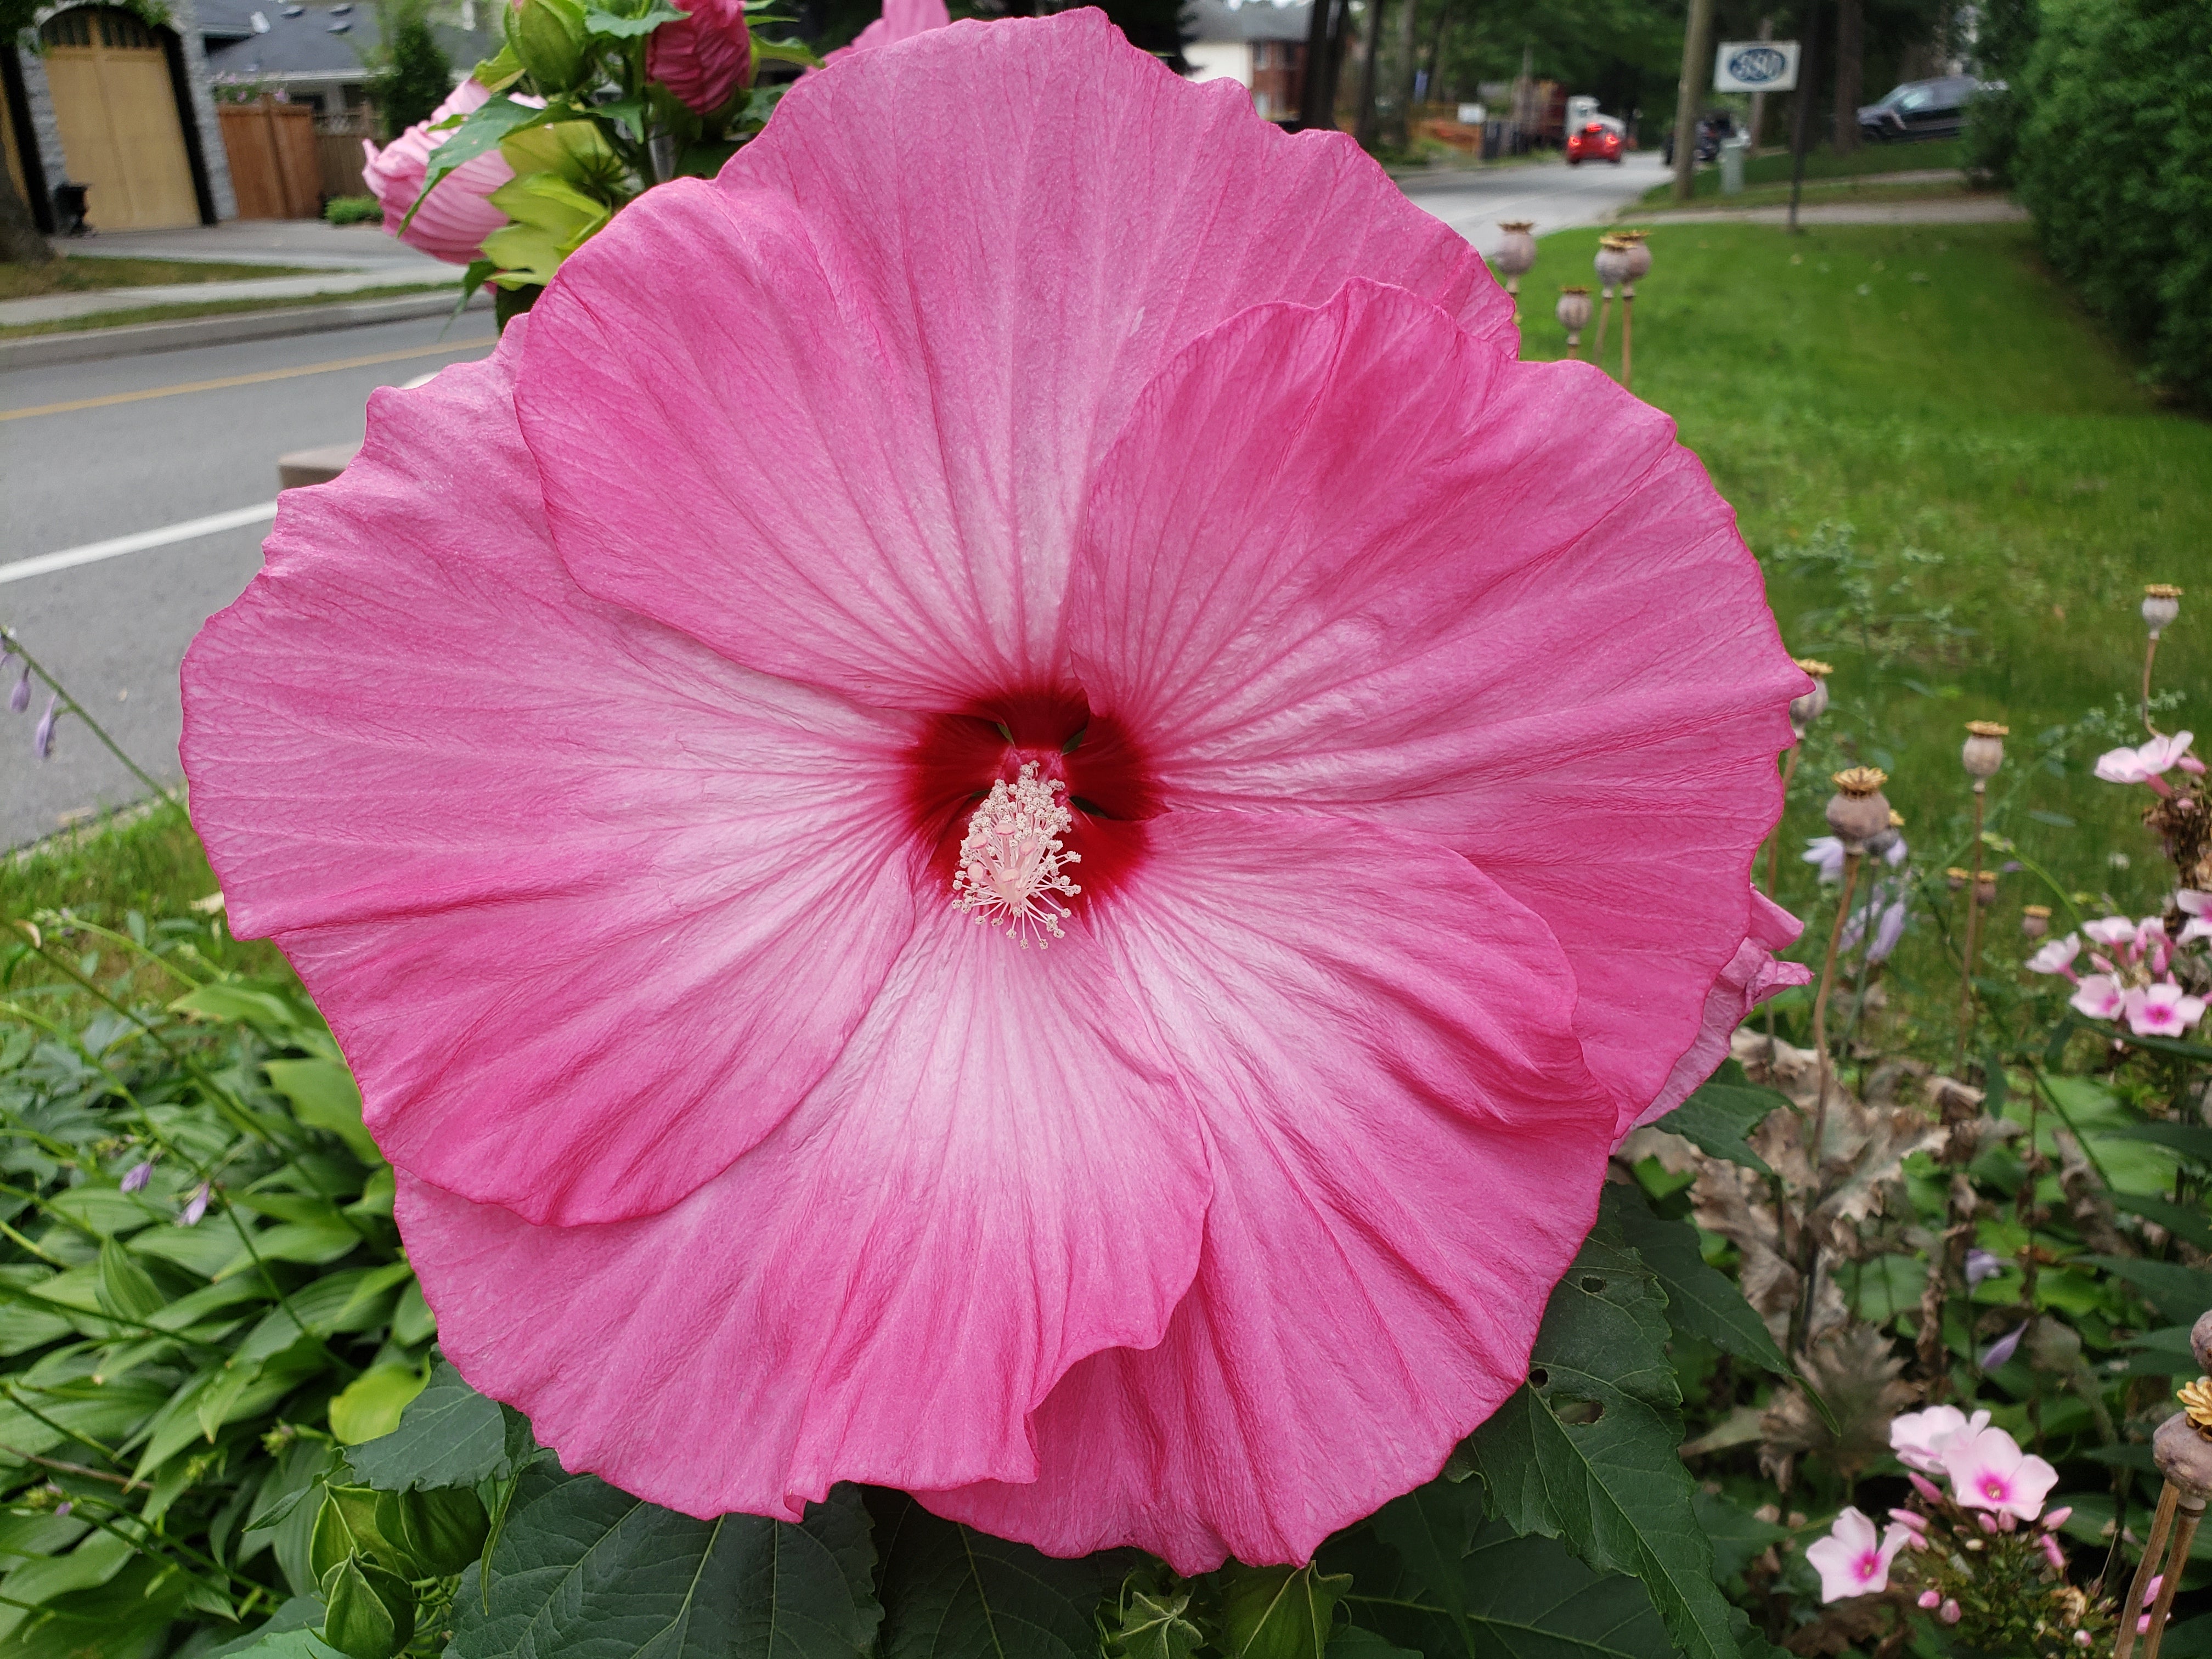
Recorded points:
(117, 108)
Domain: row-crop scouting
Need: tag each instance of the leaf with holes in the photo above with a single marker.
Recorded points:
(582, 1568)
(1585, 1451)
(953, 1593)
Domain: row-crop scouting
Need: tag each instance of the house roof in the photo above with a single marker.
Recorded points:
(329, 40)
(1205, 21)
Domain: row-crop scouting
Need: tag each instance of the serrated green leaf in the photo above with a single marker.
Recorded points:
(1585, 1450)
(448, 1436)
(581, 1567)
(1699, 1299)
(953, 1593)
(1721, 1113)
(1278, 1613)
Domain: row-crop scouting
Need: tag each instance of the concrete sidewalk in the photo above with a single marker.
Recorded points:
(1970, 210)
(58, 307)
(308, 242)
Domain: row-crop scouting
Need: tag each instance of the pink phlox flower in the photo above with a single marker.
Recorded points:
(2162, 1009)
(2146, 764)
(1920, 1439)
(1853, 1560)
(1989, 1471)
(2056, 956)
(902, 19)
(2100, 996)
(2112, 931)
(708, 58)
(452, 222)
(966, 423)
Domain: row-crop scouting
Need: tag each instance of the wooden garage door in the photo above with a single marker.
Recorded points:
(117, 112)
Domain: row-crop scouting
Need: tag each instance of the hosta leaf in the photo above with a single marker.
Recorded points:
(953, 1593)
(580, 1568)
(2176, 1292)
(1720, 1114)
(324, 1095)
(1353, 1642)
(1279, 1612)
(1699, 1299)
(448, 1436)
(125, 1287)
(1585, 1450)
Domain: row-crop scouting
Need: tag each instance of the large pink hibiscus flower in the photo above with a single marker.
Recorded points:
(615, 751)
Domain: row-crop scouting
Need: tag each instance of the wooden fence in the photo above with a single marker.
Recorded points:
(273, 164)
(337, 148)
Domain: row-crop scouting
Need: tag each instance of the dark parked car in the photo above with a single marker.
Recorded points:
(1711, 129)
(1920, 109)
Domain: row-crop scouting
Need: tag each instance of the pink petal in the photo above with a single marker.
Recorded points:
(1354, 559)
(1751, 978)
(515, 839)
(844, 433)
(1406, 1150)
(1001, 1175)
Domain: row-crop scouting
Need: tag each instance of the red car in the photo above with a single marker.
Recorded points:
(1593, 142)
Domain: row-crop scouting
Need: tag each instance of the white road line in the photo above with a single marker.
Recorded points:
(91, 552)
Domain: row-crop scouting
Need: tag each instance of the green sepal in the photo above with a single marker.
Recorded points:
(496, 73)
(785, 52)
(436, 1534)
(608, 26)
(331, 1541)
(371, 1613)
(551, 38)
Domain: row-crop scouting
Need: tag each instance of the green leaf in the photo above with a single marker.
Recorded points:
(125, 1287)
(292, 1633)
(607, 26)
(1585, 1451)
(2186, 1222)
(1737, 1535)
(785, 52)
(953, 1593)
(1353, 1642)
(1720, 1114)
(2178, 1294)
(1278, 1613)
(1151, 1628)
(1700, 1300)
(371, 1612)
(579, 1567)
(370, 1406)
(2192, 1141)
(238, 1004)
(448, 1436)
(481, 129)
(324, 1095)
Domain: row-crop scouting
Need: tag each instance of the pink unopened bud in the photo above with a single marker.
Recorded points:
(1948, 1613)
(2083, 1639)
(1930, 1600)
(1911, 1518)
(1927, 1488)
(2056, 1518)
(1989, 1522)
(2051, 1552)
(2151, 1590)
(2007, 1521)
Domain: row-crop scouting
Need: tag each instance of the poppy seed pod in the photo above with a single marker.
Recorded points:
(2161, 604)
(1955, 878)
(1516, 256)
(2035, 921)
(1613, 262)
(1985, 887)
(1985, 749)
(1857, 811)
(1639, 253)
(1574, 309)
(1808, 707)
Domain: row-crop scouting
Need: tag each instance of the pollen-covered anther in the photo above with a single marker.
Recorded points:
(1010, 862)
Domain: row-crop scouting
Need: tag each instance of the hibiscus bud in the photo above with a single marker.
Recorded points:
(1985, 749)
(705, 60)
(20, 698)
(2161, 604)
(1516, 254)
(1948, 1613)
(1930, 1600)
(2035, 921)
(452, 221)
(42, 735)
(548, 37)
(1857, 811)
(1804, 710)
(1612, 261)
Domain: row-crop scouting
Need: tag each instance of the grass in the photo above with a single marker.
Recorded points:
(84, 275)
(1838, 192)
(1773, 167)
(170, 313)
(1958, 489)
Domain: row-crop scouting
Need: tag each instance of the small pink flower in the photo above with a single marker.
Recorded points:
(2100, 996)
(1930, 1600)
(2111, 930)
(1853, 1560)
(706, 59)
(1949, 1613)
(1919, 1439)
(1989, 1471)
(2056, 957)
(454, 222)
(2144, 764)
(2162, 1009)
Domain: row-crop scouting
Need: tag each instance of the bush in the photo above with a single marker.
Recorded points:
(2115, 163)
(419, 79)
(353, 211)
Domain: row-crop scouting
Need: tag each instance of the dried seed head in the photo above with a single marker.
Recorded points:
(1810, 706)
(2035, 921)
(1516, 256)
(1985, 749)
(2161, 604)
(1574, 309)
(1985, 887)
(1857, 811)
(1613, 261)
(1955, 878)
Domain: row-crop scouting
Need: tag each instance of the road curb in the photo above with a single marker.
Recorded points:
(90, 345)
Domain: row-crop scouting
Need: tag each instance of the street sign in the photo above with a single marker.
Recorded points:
(1755, 66)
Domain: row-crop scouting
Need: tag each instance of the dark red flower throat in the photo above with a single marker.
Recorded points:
(1110, 791)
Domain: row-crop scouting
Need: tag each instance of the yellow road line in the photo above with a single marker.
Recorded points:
(240, 379)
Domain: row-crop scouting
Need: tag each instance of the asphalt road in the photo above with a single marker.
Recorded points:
(113, 631)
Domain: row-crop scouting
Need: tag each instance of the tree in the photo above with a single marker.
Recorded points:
(419, 77)
(19, 241)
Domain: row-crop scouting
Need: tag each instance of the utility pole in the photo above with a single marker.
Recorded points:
(1409, 47)
(1759, 98)
(1697, 47)
(1317, 97)
(1366, 134)
(1801, 124)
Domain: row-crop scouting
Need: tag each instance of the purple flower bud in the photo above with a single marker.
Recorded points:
(1981, 1265)
(2000, 1352)
(64, 1507)
(195, 1207)
(20, 698)
(135, 1179)
(42, 737)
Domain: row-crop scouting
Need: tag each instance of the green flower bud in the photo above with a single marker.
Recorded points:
(548, 37)
(371, 1612)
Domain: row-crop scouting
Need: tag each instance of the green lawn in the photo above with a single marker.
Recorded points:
(82, 274)
(1772, 168)
(1958, 489)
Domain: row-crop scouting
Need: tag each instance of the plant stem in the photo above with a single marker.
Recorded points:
(1852, 857)
(2142, 709)
(1973, 937)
